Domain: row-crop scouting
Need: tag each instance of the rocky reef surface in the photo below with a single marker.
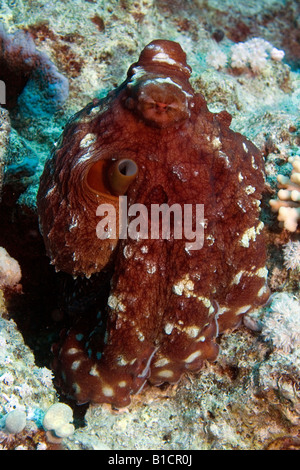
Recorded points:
(67, 53)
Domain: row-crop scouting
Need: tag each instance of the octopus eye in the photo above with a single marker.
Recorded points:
(111, 177)
(121, 174)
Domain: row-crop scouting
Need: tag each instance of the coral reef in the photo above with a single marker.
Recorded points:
(288, 203)
(4, 139)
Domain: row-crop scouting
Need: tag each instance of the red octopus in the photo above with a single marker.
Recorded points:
(153, 142)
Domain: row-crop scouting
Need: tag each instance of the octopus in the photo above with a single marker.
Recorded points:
(152, 143)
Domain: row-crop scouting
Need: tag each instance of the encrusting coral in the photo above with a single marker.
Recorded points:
(288, 203)
(291, 253)
(10, 271)
(166, 306)
(281, 324)
(250, 55)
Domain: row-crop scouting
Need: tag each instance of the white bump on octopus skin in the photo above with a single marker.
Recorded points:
(216, 143)
(254, 165)
(144, 249)
(250, 234)
(161, 362)
(250, 190)
(240, 177)
(72, 351)
(168, 328)
(50, 191)
(114, 303)
(151, 268)
(237, 278)
(243, 309)
(222, 310)
(169, 81)
(107, 391)
(185, 286)
(86, 156)
(121, 361)
(138, 72)
(75, 365)
(192, 357)
(207, 303)
(87, 140)
(241, 206)
(127, 251)
(226, 158)
(256, 202)
(74, 223)
(94, 371)
(210, 239)
(122, 383)
(201, 339)
(166, 373)
(245, 147)
(97, 109)
(192, 331)
(163, 57)
(140, 336)
(262, 272)
(262, 291)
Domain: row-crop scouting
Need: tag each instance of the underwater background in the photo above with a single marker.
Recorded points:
(57, 56)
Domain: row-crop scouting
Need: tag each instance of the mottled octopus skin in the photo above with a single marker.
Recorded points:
(167, 304)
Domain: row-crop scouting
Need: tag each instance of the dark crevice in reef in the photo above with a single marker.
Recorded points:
(49, 302)
(33, 308)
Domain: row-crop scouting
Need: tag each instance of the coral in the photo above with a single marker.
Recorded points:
(253, 55)
(10, 271)
(30, 77)
(4, 139)
(217, 58)
(15, 421)
(281, 324)
(21, 387)
(291, 253)
(288, 203)
(155, 134)
(58, 419)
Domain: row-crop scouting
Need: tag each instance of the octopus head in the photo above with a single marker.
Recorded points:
(158, 89)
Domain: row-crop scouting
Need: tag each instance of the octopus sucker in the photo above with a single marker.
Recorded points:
(174, 282)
